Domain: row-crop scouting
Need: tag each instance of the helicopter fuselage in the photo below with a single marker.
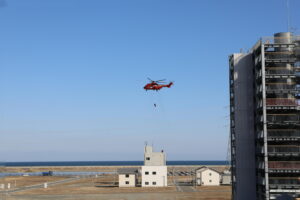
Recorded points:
(156, 86)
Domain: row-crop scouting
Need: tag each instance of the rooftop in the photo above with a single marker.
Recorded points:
(128, 171)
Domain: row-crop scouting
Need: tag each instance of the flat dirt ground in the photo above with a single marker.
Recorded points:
(105, 187)
(101, 168)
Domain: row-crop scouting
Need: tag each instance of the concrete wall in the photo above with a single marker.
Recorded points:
(226, 179)
(208, 177)
(123, 179)
(154, 158)
(157, 174)
(245, 187)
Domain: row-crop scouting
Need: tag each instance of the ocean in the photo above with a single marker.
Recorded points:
(108, 163)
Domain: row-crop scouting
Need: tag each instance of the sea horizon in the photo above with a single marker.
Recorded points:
(109, 163)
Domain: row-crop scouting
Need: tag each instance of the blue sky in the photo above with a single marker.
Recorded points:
(72, 72)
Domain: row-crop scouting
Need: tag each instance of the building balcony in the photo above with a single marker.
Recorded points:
(284, 186)
(284, 134)
(281, 76)
(284, 182)
(284, 150)
(282, 88)
(279, 55)
(288, 165)
(283, 119)
(279, 71)
(282, 102)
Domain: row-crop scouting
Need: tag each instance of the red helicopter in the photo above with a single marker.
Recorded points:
(155, 85)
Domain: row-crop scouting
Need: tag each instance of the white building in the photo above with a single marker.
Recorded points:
(154, 176)
(154, 171)
(127, 177)
(207, 176)
(226, 178)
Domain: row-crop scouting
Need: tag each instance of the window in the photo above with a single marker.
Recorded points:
(127, 175)
(154, 173)
(127, 182)
(146, 173)
(147, 158)
(146, 183)
(210, 174)
(153, 183)
(210, 181)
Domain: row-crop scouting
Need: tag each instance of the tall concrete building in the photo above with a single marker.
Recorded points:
(154, 172)
(265, 119)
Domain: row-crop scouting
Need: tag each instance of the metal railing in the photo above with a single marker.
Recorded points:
(279, 71)
(284, 133)
(280, 87)
(271, 39)
(282, 102)
(279, 55)
(283, 149)
(285, 181)
(283, 118)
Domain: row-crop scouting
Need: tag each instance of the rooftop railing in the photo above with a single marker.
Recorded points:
(271, 39)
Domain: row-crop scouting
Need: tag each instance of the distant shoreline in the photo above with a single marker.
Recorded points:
(107, 163)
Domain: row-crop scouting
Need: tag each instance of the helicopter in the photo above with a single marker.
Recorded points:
(156, 85)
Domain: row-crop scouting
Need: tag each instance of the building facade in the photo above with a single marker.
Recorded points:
(154, 172)
(154, 176)
(265, 119)
(226, 178)
(152, 158)
(207, 177)
(128, 177)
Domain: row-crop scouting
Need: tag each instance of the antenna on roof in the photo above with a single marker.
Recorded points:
(288, 14)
